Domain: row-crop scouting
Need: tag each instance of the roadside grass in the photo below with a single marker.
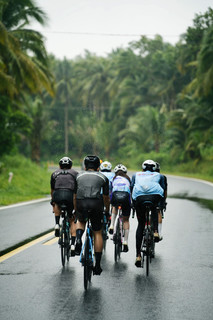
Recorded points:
(29, 180)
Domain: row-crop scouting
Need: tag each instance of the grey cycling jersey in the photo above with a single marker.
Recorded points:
(91, 184)
(63, 179)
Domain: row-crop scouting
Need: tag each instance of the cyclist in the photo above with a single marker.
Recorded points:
(147, 185)
(63, 183)
(162, 204)
(121, 195)
(106, 169)
(92, 194)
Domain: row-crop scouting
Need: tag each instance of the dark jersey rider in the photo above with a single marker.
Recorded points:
(63, 184)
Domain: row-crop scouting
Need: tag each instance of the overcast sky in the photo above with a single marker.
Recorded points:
(103, 25)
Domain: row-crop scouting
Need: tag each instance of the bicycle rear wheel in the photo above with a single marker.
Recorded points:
(67, 244)
(62, 244)
(117, 242)
(87, 264)
(147, 251)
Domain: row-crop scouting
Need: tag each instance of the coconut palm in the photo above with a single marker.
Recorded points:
(23, 57)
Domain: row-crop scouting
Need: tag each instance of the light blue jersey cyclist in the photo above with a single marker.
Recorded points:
(106, 168)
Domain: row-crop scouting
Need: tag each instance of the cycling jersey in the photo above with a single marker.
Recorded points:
(63, 179)
(109, 175)
(121, 184)
(147, 183)
(90, 184)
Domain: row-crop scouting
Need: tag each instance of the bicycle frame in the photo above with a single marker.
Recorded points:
(87, 256)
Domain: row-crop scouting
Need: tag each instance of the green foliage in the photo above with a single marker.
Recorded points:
(29, 181)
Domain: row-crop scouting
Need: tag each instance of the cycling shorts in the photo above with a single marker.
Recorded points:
(121, 198)
(141, 208)
(64, 196)
(92, 209)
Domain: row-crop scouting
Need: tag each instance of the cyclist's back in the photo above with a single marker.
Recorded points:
(90, 184)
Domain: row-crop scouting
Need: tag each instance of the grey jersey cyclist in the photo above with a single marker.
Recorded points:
(92, 194)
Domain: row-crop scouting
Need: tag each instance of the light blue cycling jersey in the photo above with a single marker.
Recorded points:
(121, 184)
(147, 183)
(109, 175)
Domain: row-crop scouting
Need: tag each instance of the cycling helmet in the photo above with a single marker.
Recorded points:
(120, 167)
(92, 162)
(106, 166)
(65, 162)
(149, 165)
(158, 167)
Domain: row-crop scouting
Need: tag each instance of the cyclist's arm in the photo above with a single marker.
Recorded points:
(106, 195)
(74, 202)
(132, 183)
(106, 202)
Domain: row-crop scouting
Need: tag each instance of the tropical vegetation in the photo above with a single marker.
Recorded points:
(152, 99)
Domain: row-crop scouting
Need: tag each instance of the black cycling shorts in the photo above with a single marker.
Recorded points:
(92, 209)
(64, 196)
(141, 208)
(121, 198)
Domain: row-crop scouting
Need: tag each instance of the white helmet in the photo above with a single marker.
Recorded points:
(120, 167)
(149, 165)
(106, 165)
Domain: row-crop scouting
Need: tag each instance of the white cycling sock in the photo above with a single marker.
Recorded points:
(113, 217)
(159, 228)
(126, 235)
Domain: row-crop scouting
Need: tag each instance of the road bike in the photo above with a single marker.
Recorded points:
(148, 240)
(105, 230)
(64, 236)
(118, 235)
(86, 255)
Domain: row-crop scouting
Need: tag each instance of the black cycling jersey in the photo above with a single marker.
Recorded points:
(63, 179)
(91, 185)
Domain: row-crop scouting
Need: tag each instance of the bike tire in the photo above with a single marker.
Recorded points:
(62, 244)
(87, 264)
(147, 252)
(67, 245)
(117, 242)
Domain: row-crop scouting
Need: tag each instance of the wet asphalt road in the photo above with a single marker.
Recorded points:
(33, 285)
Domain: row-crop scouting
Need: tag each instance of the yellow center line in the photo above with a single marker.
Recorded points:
(25, 246)
(50, 242)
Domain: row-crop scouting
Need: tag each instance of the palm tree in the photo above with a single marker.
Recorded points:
(23, 57)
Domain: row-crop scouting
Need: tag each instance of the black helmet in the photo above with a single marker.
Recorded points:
(92, 162)
(158, 167)
(149, 165)
(65, 162)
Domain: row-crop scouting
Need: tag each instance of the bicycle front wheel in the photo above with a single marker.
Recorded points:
(117, 242)
(87, 264)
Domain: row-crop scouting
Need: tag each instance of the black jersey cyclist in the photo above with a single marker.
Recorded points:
(162, 203)
(63, 184)
(92, 194)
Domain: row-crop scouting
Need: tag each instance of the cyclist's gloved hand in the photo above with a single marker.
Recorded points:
(52, 202)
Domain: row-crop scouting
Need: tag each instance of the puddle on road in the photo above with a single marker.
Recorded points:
(206, 203)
